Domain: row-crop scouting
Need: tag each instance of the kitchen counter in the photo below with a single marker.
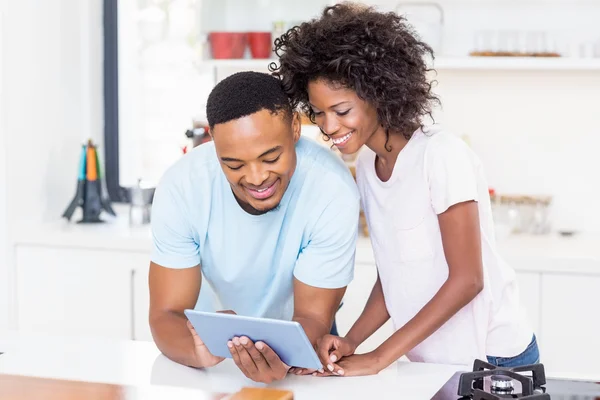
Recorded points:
(141, 364)
(579, 253)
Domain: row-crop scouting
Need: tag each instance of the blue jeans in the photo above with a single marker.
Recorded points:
(531, 355)
(334, 330)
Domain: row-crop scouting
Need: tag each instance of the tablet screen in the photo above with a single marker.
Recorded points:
(286, 338)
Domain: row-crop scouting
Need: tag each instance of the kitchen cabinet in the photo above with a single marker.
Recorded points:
(570, 342)
(79, 292)
(141, 301)
(101, 293)
(529, 293)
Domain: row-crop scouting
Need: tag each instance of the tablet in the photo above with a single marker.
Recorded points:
(286, 338)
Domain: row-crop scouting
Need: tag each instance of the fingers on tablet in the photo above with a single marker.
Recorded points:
(254, 353)
(190, 326)
(268, 353)
(243, 359)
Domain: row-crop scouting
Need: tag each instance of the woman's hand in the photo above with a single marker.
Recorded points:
(331, 349)
(355, 365)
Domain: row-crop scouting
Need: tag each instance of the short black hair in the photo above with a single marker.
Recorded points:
(245, 93)
(376, 54)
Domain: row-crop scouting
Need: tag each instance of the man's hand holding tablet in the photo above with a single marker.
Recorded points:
(257, 360)
(222, 335)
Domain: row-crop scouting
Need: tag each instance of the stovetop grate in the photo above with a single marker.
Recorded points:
(471, 383)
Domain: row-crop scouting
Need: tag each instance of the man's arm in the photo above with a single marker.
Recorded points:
(315, 308)
(171, 292)
(325, 266)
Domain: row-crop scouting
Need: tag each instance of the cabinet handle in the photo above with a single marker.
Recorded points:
(132, 304)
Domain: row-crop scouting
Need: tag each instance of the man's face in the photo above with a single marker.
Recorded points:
(258, 156)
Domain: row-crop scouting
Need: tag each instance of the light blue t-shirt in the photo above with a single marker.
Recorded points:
(250, 260)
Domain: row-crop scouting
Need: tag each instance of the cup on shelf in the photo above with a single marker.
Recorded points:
(227, 45)
(260, 44)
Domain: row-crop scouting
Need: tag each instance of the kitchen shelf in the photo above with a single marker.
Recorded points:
(462, 63)
(242, 63)
(518, 63)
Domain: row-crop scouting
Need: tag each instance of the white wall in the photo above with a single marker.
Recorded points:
(51, 103)
(537, 132)
(568, 24)
(4, 284)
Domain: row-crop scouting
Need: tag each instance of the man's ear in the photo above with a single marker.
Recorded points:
(296, 126)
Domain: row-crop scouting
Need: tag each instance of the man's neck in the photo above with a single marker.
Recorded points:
(247, 207)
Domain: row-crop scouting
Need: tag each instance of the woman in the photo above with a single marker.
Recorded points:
(361, 76)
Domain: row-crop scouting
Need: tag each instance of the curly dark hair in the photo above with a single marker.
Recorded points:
(376, 54)
(245, 93)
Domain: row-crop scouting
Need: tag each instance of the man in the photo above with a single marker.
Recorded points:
(267, 217)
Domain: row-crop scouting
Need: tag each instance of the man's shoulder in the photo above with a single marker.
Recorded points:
(195, 170)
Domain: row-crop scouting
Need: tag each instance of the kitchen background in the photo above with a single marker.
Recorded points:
(532, 120)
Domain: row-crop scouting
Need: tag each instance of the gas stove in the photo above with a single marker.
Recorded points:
(488, 382)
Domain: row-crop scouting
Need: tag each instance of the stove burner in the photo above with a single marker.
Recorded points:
(502, 384)
(471, 383)
(487, 382)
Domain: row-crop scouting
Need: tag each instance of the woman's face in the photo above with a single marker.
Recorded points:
(348, 120)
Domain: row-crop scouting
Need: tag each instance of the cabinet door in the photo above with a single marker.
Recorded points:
(74, 292)
(529, 290)
(570, 345)
(141, 299)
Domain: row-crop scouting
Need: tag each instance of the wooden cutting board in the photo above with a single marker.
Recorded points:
(14, 387)
(30, 388)
(261, 394)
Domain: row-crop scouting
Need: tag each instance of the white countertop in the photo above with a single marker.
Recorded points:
(579, 253)
(140, 364)
(114, 234)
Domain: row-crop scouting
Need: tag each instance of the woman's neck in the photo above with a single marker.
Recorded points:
(386, 148)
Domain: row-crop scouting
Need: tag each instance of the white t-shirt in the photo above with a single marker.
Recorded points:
(434, 171)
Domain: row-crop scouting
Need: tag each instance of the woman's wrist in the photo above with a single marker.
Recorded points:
(380, 361)
(353, 341)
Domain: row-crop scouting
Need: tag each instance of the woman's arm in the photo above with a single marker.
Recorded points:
(333, 348)
(461, 238)
(372, 318)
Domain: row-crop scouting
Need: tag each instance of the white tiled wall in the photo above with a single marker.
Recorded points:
(4, 287)
(537, 132)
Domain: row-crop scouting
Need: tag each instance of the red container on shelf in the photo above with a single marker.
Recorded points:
(225, 45)
(260, 44)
